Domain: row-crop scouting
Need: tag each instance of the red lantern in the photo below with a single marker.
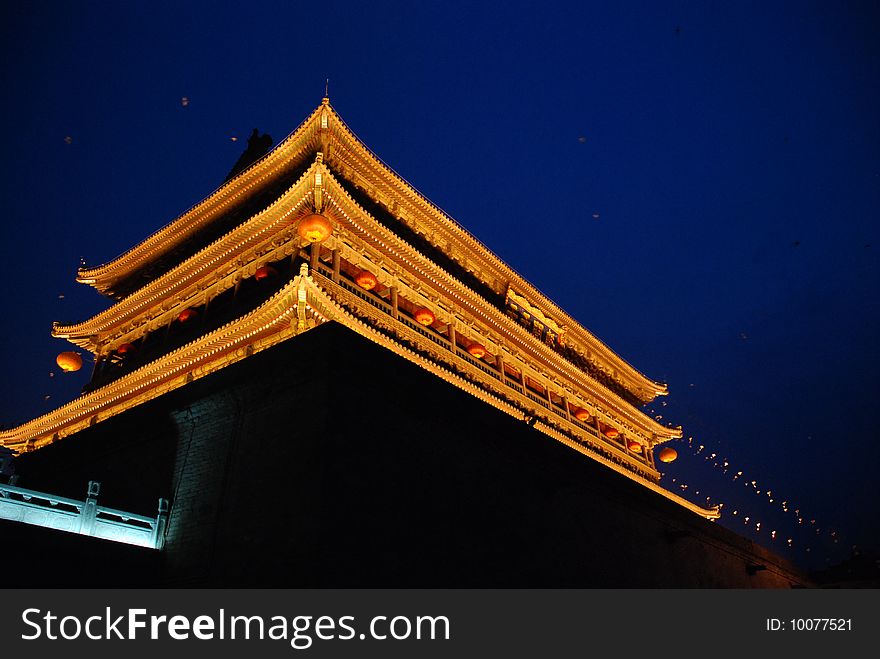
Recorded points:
(667, 454)
(314, 228)
(69, 361)
(634, 446)
(366, 280)
(124, 349)
(265, 272)
(187, 315)
(424, 317)
(477, 350)
(581, 414)
(611, 433)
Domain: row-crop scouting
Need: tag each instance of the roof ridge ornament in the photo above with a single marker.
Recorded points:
(324, 126)
(318, 183)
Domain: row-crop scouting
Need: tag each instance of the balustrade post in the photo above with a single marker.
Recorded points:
(89, 513)
(336, 263)
(157, 538)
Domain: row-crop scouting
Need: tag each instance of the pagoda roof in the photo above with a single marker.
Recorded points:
(352, 162)
(298, 306)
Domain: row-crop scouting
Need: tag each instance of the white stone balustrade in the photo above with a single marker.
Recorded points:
(18, 504)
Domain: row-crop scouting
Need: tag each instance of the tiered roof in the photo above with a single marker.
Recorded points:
(345, 155)
(382, 224)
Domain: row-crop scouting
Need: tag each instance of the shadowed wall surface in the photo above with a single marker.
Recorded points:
(327, 461)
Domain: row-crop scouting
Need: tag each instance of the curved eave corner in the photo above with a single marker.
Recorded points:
(640, 385)
(265, 326)
(104, 277)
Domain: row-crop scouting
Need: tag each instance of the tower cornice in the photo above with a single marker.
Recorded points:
(325, 134)
(269, 236)
(299, 306)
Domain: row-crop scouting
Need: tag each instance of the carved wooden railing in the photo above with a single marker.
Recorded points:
(380, 314)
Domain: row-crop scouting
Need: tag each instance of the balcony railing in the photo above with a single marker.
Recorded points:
(408, 330)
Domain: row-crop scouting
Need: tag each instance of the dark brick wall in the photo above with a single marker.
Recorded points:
(35, 557)
(327, 461)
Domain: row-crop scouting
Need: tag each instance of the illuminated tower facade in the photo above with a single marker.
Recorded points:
(329, 382)
(320, 230)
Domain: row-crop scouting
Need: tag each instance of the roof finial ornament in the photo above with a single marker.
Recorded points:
(326, 90)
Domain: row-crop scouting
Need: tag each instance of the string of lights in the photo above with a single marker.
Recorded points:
(767, 495)
(806, 524)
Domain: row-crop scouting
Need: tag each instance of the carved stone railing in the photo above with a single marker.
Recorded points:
(18, 504)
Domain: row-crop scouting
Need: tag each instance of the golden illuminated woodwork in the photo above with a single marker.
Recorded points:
(140, 313)
(214, 269)
(300, 300)
(324, 131)
(278, 162)
(378, 256)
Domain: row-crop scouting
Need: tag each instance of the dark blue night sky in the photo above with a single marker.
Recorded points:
(698, 183)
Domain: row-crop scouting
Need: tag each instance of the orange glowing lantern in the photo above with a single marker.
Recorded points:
(581, 414)
(476, 350)
(314, 228)
(69, 361)
(667, 454)
(125, 348)
(265, 272)
(634, 446)
(187, 315)
(611, 433)
(366, 280)
(424, 317)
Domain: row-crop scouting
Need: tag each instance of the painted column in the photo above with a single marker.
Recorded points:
(315, 253)
(99, 359)
(547, 393)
